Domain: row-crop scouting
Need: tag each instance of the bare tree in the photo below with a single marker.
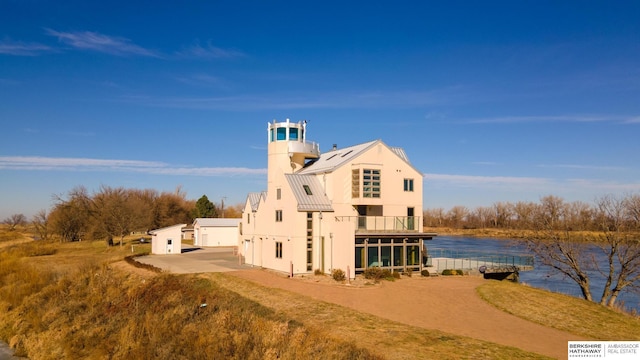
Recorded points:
(40, 223)
(14, 221)
(70, 216)
(457, 216)
(114, 211)
(524, 213)
(558, 245)
(620, 244)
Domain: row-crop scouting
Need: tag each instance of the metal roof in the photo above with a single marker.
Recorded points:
(254, 199)
(166, 228)
(217, 222)
(400, 152)
(333, 159)
(309, 193)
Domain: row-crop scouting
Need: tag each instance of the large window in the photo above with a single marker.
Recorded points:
(408, 184)
(278, 249)
(278, 215)
(371, 183)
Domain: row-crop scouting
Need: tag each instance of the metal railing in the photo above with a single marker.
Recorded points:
(472, 260)
(365, 224)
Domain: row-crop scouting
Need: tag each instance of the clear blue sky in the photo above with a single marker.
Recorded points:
(493, 101)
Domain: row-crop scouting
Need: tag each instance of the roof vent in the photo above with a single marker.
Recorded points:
(335, 146)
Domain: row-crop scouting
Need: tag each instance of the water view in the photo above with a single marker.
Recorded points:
(541, 276)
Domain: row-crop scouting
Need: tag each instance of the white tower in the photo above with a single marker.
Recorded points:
(288, 149)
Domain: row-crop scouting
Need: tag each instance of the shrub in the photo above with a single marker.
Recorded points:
(452, 272)
(338, 275)
(373, 273)
(425, 273)
(408, 272)
(376, 274)
(318, 272)
(396, 274)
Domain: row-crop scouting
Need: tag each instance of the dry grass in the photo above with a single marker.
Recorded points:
(561, 311)
(72, 303)
(393, 340)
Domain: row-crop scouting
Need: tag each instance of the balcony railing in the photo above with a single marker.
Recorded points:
(364, 224)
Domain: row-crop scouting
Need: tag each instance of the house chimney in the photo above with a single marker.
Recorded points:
(335, 146)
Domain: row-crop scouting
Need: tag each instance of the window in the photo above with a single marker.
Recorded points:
(278, 215)
(249, 218)
(307, 189)
(278, 194)
(309, 241)
(355, 183)
(408, 184)
(371, 183)
(293, 134)
(281, 133)
(278, 249)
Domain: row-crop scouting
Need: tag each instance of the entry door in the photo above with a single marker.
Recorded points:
(169, 245)
(205, 240)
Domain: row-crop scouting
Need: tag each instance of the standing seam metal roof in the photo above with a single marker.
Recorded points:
(331, 160)
(316, 201)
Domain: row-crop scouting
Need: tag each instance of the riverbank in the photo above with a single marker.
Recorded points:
(480, 233)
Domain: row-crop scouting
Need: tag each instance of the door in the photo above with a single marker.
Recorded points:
(362, 216)
(410, 219)
(169, 245)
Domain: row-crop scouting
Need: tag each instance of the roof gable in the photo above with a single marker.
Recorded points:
(254, 199)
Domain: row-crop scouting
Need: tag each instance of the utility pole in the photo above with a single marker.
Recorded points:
(222, 205)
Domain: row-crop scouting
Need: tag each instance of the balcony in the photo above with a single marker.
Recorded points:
(308, 149)
(383, 224)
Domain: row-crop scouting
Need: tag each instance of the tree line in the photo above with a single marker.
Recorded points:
(526, 215)
(111, 213)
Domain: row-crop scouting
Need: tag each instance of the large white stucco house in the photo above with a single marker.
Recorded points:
(349, 208)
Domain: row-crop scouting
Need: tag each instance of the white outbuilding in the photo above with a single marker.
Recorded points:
(215, 232)
(167, 241)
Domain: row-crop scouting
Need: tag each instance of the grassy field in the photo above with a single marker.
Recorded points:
(79, 300)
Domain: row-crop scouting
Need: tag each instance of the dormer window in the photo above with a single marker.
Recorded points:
(307, 189)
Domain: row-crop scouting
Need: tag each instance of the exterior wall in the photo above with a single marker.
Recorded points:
(212, 235)
(218, 236)
(161, 237)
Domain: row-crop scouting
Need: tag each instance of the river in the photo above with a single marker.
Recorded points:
(541, 277)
